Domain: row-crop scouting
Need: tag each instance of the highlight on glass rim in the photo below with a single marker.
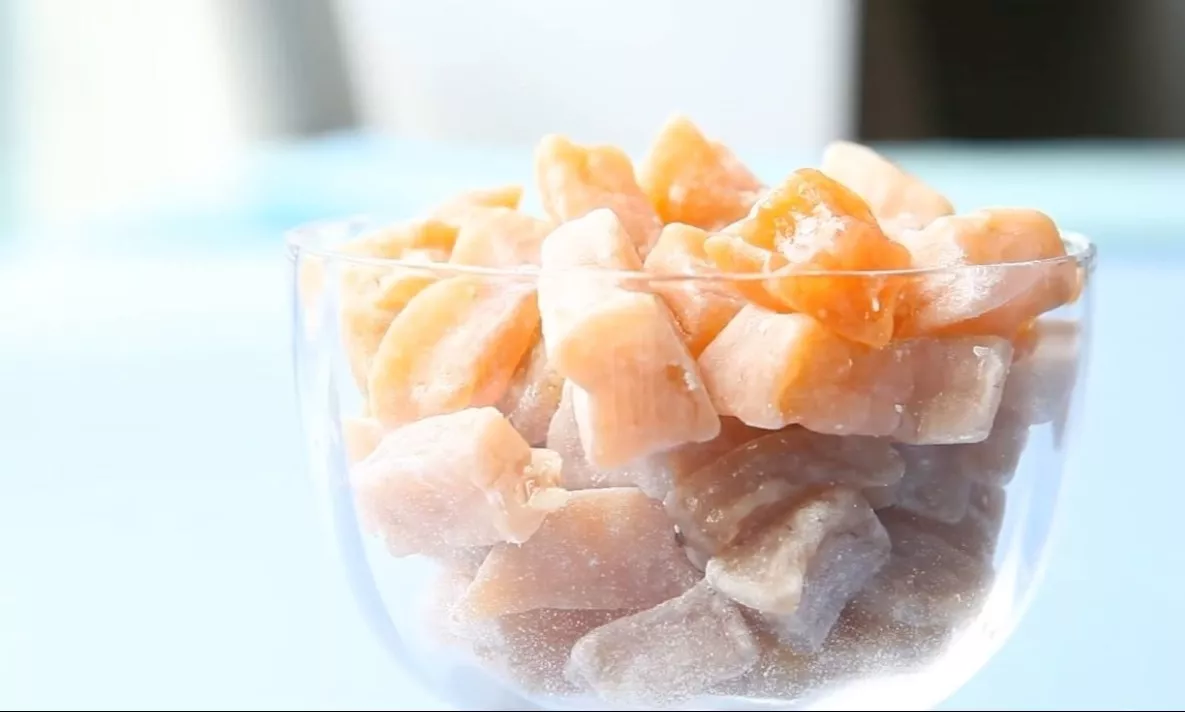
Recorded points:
(681, 439)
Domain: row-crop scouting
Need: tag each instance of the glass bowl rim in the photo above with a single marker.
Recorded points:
(305, 240)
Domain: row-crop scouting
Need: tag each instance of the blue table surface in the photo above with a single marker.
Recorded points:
(159, 541)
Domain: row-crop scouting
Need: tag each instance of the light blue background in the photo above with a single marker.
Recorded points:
(159, 544)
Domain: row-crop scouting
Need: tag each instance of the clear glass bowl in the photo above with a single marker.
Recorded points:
(958, 444)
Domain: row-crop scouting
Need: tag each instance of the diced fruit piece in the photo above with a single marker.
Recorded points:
(779, 673)
(995, 298)
(360, 436)
(574, 180)
(371, 298)
(957, 386)
(570, 292)
(431, 237)
(596, 239)
(993, 461)
(1041, 380)
(563, 436)
(531, 649)
(975, 534)
(373, 294)
(772, 370)
(466, 559)
(647, 407)
(460, 209)
(655, 474)
(658, 473)
(713, 504)
(456, 345)
(605, 549)
(939, 479)
(457, 480)
(701, 307)
(534, 394)
(690, 179)
(863, 644)
(639, 392)
(818, 225)
(733, 256)
(858, 646)
(804, 565)
(500, 237)
(927, 582)
(895, 197)
(929, 490)
(670, 653)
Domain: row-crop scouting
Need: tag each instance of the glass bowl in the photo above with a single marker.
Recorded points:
(865, 540)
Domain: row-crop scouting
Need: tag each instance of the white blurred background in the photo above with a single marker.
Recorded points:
(108, 99)
(105, 104)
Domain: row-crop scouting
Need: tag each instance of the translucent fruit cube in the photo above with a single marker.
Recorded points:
(532, 649)
(957, 387)
(693, 180)
(462, 208)
(990, 299)
(927, 581)
(1041, 380)
(667, 654)
(701, 307)
(459, 480)
(563, 436)
(649, 407)
(500, 237)
(771, 370)
(533, 397)
(574, 180)
(713, 504)
(897, 199)
(606, 549)
(371, 295)
(804, 565)
(638, 388)
(815, 224)
(457, 344)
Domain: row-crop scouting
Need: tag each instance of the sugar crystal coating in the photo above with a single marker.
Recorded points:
(771, 370)
(804, 565)
(563, 436)
(981, 296)
(575, 180)
(458, 480)
(817, 225)
(499, 237)
(605, 549)
(455, 345)
(667, 654)
(639, 391)
(693, 180)
(533, 396)
(702, 308)
(713, 504)
(927, 580)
